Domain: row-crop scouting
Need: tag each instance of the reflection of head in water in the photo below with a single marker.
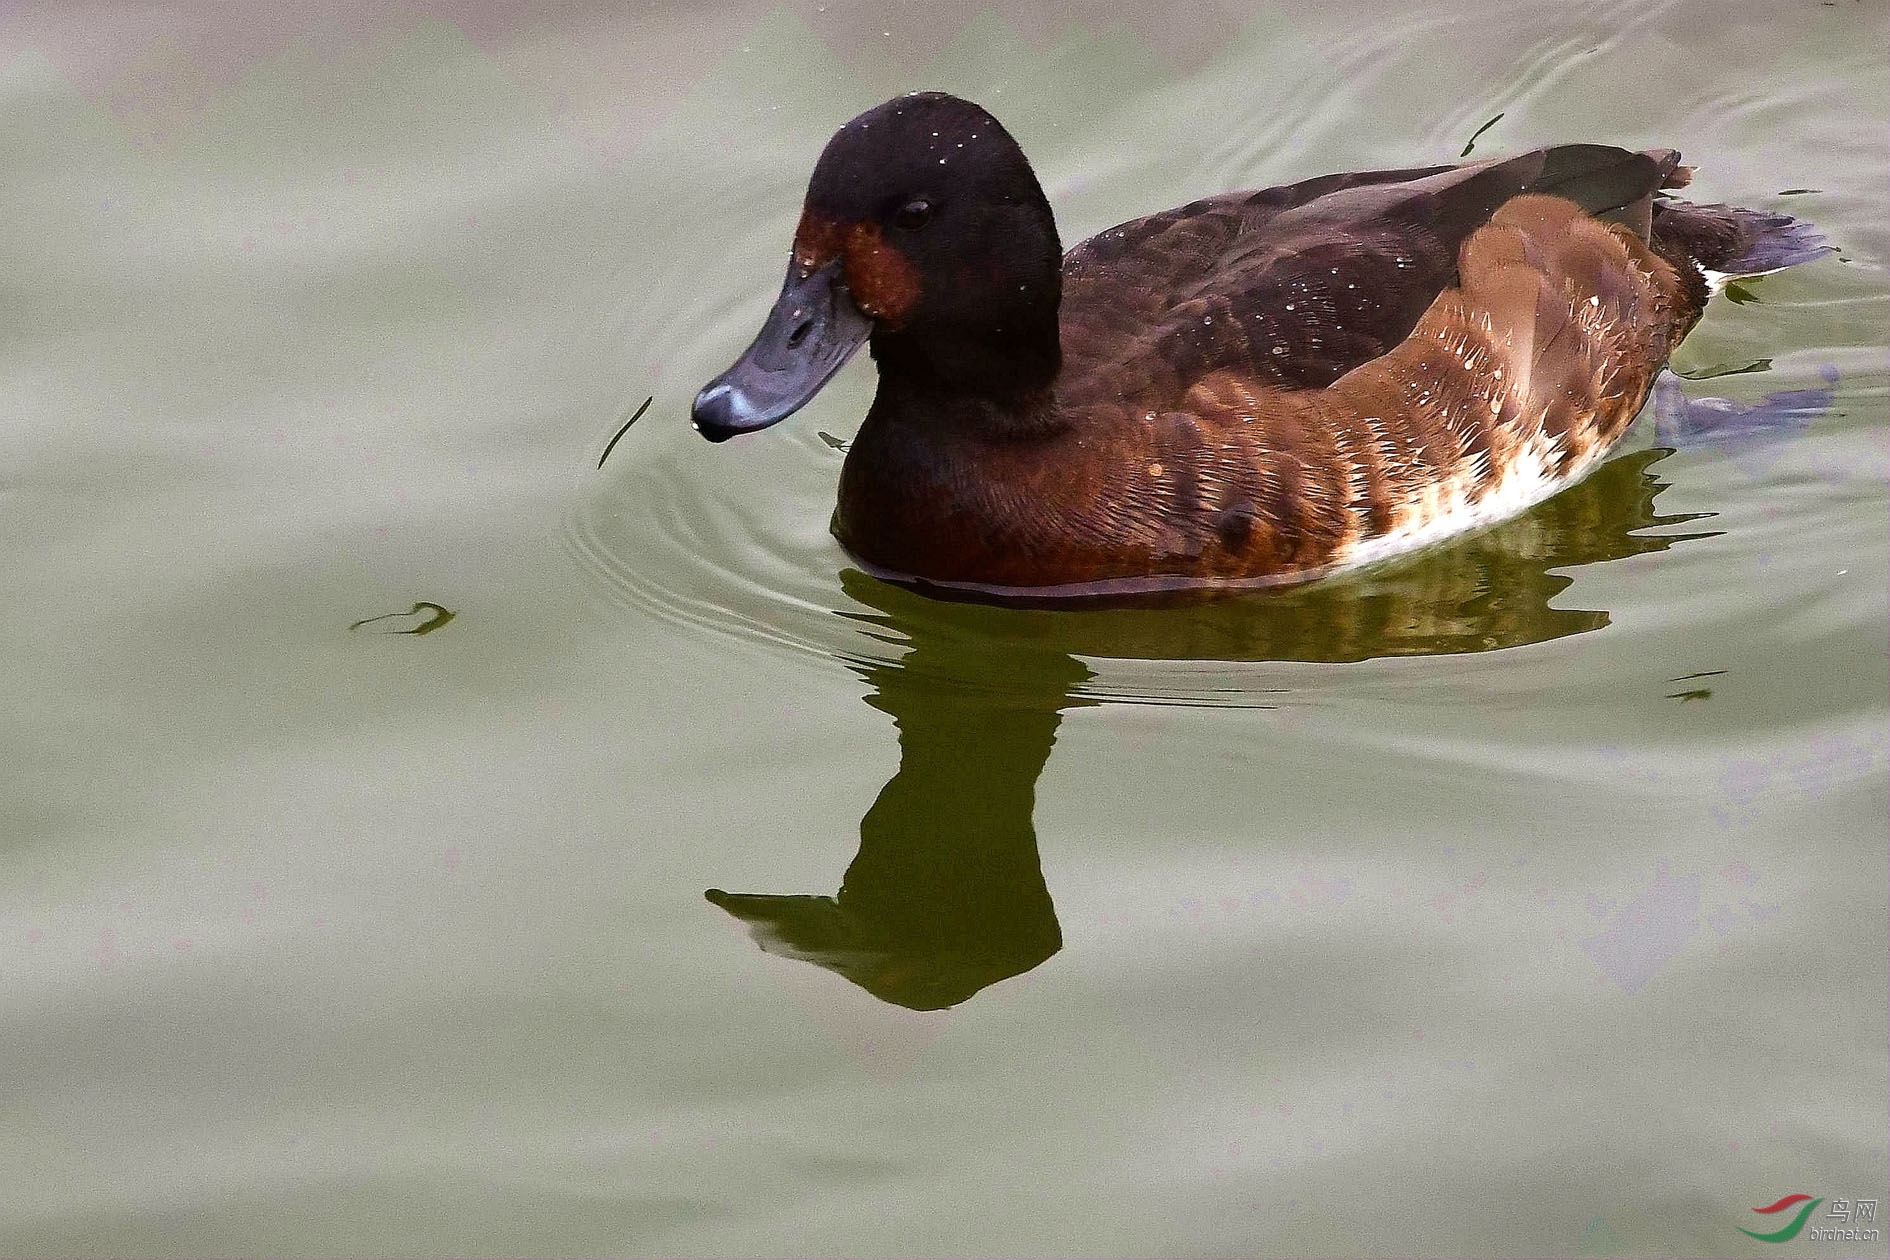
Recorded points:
(947, 896)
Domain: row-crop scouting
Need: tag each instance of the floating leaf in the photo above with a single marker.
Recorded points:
(1479, 131)
(626, 428)
(438, 615)
(1724, 369)
(1739, 294)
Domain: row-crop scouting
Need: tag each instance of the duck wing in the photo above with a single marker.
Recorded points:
(1293, 287)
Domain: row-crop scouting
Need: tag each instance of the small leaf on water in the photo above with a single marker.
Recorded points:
(1479, 131)
(1724, 369)
(438, 615)
(612, 445)
(1739, 294)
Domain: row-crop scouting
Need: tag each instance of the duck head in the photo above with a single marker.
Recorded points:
(926, 232)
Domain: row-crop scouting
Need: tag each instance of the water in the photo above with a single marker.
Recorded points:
(1528, 898)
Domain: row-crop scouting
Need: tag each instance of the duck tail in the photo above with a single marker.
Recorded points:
(1709, 245)
(1726, 242)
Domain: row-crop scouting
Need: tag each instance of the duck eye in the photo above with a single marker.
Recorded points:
(913, 215)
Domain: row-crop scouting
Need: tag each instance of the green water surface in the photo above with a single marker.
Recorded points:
(367, 751)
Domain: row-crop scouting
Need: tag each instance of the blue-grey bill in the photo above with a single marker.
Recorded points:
(812, 331)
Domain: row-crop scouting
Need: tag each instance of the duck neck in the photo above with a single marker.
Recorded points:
(997, 380)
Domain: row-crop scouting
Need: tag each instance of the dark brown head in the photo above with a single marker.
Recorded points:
(925, 230)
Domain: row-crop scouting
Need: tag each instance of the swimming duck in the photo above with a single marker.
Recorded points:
(1254, 388)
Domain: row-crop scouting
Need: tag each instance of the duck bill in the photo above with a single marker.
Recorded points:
(812, 331)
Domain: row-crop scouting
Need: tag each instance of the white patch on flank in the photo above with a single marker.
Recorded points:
(1453, 507)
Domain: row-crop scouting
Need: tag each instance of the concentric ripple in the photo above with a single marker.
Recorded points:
(733, 541)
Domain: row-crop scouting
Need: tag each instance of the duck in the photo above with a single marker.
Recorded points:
(1255, 388)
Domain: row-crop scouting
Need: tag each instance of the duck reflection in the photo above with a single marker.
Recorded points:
(947, 895)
